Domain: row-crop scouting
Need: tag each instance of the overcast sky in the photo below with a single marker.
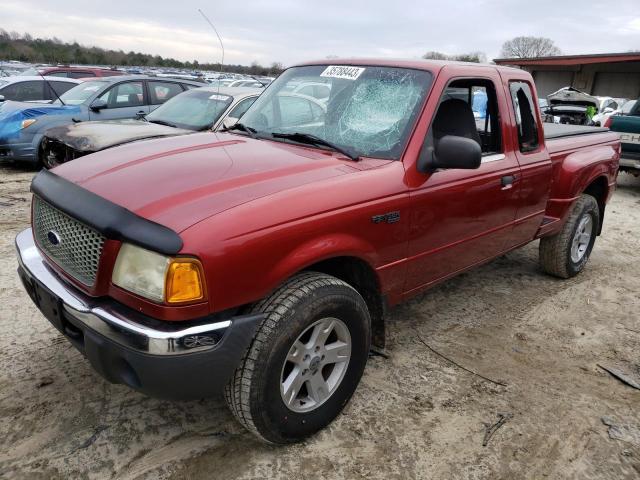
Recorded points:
(291, 31)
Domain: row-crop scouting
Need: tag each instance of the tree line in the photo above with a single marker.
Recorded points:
(518, 47)
(26, 48)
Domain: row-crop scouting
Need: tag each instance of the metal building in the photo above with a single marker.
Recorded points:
(607, 74)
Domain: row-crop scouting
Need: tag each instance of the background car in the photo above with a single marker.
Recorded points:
(73, 72)
(206, 108)
(34, 89)
(608, 106)
(22, 125)
(246, 83)
(318, 90)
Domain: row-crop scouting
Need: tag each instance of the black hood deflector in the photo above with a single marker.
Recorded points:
(111, 220)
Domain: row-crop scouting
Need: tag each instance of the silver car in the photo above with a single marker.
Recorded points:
(196, 110)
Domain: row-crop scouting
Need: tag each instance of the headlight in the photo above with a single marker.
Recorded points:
(27, 122)
(157, 277)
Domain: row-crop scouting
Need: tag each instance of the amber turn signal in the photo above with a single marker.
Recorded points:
(185, 281)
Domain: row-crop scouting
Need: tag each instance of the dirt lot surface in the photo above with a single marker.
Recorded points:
(415, 415)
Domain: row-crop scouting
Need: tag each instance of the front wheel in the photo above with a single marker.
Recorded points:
(305, 361)
(566, 253)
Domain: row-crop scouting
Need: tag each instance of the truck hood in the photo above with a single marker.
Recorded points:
(94, 136)
(12, 114)
(178, 182)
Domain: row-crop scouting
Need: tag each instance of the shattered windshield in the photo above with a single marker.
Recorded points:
(369, 111)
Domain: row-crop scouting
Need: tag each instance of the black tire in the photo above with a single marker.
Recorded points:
(555, 251)
(253, 394)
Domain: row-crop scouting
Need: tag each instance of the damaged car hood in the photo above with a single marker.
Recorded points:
(178, 182)
(569, 96)
(95, 136)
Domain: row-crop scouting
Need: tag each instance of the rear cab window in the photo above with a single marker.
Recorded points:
(522, 99)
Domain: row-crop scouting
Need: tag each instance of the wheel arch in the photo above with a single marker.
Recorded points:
(360, 275)
(599, 189)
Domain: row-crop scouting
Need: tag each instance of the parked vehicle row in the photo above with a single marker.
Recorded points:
(259, 261)
(196, 110)
(23, 124)
(34, 89)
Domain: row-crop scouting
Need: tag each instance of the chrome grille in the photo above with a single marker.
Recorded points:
(75, 247)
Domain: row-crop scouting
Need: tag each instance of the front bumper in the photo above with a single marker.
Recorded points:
(161, 359)
(18, 151)
(630, 161)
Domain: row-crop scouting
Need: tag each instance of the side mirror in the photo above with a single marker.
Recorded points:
(1, 98)
(140, 115)
(451, 152)
(98, 104)
(608, 110)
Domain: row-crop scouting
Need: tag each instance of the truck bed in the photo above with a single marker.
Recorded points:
(558, 130)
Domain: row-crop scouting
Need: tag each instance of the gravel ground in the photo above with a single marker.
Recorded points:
(415, 415)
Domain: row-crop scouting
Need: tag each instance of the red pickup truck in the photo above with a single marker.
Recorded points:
(260, 261)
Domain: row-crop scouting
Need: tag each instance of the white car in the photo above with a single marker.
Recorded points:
(626, 107)
(246, 83)
(608, 106)
(35, 89)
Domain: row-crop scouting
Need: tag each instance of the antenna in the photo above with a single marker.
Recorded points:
(50, 87)
(219, 39)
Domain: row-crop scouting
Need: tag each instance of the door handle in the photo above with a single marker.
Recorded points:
(507, 181)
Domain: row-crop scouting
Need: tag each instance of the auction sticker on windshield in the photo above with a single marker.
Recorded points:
(346, 72)
(220, 98)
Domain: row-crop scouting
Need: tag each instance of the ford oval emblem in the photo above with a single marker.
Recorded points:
(53, 237)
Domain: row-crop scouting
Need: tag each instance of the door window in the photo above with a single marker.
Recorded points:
(24, 91)
(469, 108)
(127, 94)
(522, 100)
(59, 88)
(160, 92)
(241, 107)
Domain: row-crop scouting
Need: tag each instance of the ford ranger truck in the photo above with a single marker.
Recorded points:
(260, 261)
(628, 127)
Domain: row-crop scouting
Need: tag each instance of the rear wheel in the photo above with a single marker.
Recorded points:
(566, 253)
(305, 361)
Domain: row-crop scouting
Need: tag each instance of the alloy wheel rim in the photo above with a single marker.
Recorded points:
(315, 365)
(581, 238)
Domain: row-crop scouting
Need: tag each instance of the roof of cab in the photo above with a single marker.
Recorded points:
(417, 64)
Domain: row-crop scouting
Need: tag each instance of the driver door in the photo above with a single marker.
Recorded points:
(124, 100)
(463, 217)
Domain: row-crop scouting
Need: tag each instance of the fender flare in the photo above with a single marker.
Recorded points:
(318, 249)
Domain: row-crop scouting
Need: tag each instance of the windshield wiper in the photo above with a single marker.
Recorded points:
(313, 140)
(162, 122)
(252, 132)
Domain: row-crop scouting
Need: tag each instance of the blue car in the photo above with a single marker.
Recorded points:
(23, 124)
